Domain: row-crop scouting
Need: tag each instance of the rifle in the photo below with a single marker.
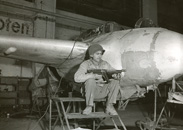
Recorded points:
(106, 74)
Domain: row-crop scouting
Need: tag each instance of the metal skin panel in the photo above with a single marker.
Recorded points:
(47, 51)
(149, 55)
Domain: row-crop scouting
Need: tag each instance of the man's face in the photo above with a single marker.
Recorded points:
(97, 56)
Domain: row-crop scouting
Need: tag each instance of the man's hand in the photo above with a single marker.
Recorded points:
(100, 81)
(95, 76)
(117, 76)
(98, 77)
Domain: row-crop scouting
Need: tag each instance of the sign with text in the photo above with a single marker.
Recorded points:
(11, 26)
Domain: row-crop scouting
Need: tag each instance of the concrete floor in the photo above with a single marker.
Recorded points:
(129, 116)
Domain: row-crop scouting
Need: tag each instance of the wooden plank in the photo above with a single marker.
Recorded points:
(92, 115)
(174, 101)
(68, 99)
(7, 101)
(8, 94)
(74, 99)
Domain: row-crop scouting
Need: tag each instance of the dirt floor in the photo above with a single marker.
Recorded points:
(130, 116)
(136, 111)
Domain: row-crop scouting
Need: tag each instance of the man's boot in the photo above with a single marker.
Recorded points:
(87, 110)
(110, 110)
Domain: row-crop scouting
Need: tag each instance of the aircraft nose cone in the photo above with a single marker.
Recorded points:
(169, 54)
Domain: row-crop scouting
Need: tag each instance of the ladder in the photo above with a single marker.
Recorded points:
(64, 115)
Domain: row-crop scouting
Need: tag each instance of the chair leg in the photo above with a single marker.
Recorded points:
(124, 127)
(60, 115)
(65, 116)
(114, 123)
(93, 124)
(100, 123)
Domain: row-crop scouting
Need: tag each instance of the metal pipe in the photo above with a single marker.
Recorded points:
(155, 103)
(173, 84)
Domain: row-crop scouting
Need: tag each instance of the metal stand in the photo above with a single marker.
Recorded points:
(173, 97)
(64, 115)
(150, 124)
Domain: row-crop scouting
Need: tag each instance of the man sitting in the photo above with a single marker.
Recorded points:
(95, 86)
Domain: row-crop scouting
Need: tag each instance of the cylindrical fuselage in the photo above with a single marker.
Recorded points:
(149, 55)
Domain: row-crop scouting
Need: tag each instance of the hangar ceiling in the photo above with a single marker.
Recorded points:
(125, 12)
(170, 14)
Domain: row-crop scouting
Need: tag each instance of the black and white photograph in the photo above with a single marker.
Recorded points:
(91, 64)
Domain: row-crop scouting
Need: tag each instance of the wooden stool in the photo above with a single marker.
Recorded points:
(64, 115)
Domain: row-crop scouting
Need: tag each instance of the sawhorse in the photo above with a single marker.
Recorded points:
(63, 113)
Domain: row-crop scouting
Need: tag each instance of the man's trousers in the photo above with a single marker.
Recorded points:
(94, 91)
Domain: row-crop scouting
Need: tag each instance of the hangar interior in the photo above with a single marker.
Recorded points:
(71, 20)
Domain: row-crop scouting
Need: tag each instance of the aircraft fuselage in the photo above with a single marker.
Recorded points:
(149, 55)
